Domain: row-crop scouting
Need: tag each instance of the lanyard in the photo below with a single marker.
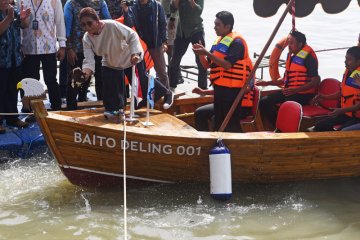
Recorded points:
(35, 11)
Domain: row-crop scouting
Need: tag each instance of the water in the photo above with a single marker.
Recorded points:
(37, 202)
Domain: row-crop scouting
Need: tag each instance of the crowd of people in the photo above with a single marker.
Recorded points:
(83, 34)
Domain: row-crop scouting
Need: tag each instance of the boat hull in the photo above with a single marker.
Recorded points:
(91, 152)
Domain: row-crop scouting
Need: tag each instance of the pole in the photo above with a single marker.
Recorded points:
(132, 93)
(252, 73)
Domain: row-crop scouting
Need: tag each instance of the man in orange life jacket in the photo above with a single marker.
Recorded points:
(230, 66)
(349, 112)
(300, 80)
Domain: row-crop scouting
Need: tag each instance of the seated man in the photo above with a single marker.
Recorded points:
(300, 79)
(349, 112)
(230, 65)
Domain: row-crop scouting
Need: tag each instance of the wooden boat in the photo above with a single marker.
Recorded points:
(89, 150)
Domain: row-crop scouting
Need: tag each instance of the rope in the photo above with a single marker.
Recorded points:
(124, 178)
(293, 15)
(13, 114)
(331, 49)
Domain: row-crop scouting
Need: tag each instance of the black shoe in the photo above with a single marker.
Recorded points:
(17, 123)
(30, 119)
(180, 80)
(168, 100)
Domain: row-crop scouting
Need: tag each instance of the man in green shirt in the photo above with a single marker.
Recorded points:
(190, 29)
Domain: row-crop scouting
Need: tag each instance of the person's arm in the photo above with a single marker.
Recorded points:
(129, 15)
(201, 51)
(24, 16)
(339, 111)
(88, 66)
(60, 29)
(198, 5)
(105, 11)
(201, 91)
(4, 24)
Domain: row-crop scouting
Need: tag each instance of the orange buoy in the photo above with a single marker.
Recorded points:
(274, 58)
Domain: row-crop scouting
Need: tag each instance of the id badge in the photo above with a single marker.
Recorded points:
(35, 25)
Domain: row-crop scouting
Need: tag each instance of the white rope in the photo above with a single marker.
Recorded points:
(124, 181)
(13, 114)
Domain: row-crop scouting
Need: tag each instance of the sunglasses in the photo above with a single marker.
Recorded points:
(88, 23)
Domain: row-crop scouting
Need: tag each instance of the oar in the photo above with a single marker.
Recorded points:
(252, 73)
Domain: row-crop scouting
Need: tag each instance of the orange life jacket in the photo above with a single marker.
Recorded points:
(236, 76)
(296, 71)
(149, 63)
(350, 92)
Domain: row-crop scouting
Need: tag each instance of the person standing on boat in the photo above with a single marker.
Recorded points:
(349, 112)
(190, 29)
(148, 17)
(11, 21)
(120, 48)
(230, 65)
(300, 80)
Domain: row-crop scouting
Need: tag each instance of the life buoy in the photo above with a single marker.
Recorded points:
(274, 58)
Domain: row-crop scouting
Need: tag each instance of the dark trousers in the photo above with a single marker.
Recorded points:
(74, 95)
(328, 124)
(223, 100)
(113, 89)
(63, 77)
(203, 115)
(268, 104)
(180, 47)
(9, 77)
(31, 69)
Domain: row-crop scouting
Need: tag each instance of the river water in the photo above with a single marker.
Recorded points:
(37, 202)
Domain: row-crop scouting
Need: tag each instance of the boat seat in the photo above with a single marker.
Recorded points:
(289, 117)
(327, 86)
(251, 119)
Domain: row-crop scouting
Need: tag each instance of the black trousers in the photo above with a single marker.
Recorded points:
(113, 89)
(9, 78)
(268, 104)
(223, 100)
(31, 69)
(180, 47)
(328, 124)
(63, 77)
(202, 116)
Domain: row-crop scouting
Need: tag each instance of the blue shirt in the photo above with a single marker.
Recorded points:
(10, 43)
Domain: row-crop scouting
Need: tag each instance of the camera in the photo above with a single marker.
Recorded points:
(129, 3)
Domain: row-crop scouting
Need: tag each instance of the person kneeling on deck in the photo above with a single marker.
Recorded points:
(300, 80)
(349, 113)
(120, 48)
(230, 65)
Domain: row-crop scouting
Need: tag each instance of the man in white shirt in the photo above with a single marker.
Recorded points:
(39, 44)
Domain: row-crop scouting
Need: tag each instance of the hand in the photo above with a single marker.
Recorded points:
(198, 91)
(199, 49)
(24, 14)
(164, 47)
(124, 6)
(60, 55)
(71, 57)
(289, 91)
(336, 112)
(87, 72)
(316, 99)
(263, 83)
(10, 15)
(135, 58)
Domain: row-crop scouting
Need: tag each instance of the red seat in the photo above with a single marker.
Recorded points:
(252, 117)
(327, 86)
(289, 117)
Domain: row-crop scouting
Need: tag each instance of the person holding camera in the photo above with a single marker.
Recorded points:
(148, 17)
(11, 21)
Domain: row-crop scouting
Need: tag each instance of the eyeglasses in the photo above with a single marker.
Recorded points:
(88, 23)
